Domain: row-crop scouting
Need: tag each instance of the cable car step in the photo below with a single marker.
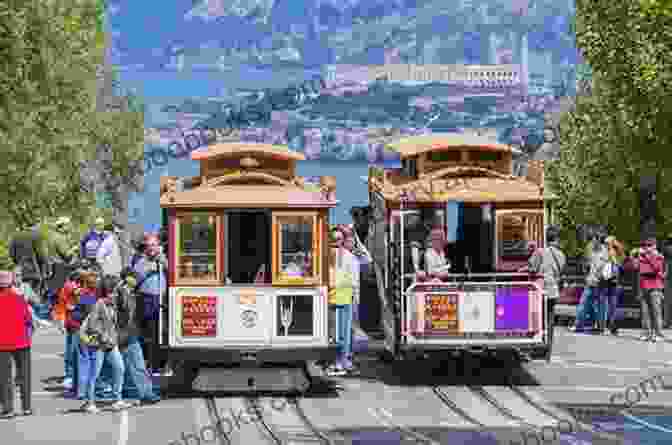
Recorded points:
(251, 379)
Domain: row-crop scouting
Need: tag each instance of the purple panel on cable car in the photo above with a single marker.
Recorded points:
(512, 309)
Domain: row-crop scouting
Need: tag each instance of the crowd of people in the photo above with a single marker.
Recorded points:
(105, 310)
(609, 269)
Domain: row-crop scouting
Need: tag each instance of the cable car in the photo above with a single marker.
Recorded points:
(248, 278)
(462, 187)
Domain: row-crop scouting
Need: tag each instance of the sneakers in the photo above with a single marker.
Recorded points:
(646, 337)
(148, 402)
(90, 408)
(7, 415)
(121, 405)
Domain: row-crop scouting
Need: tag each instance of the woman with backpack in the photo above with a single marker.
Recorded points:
(99, 339)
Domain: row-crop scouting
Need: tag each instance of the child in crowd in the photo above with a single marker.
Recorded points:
(15, 343)
(99, 338)
(67, 297)
(83, 300)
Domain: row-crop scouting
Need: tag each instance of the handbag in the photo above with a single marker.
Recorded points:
(86, 334)
(94, 338)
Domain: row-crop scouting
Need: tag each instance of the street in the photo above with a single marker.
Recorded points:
(406, 402)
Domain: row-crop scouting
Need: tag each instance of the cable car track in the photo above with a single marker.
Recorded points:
(456, 409)
(573, 421)
(480, 392)
(211, 406)
(310, 434)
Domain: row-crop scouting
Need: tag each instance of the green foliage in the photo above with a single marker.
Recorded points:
(620, 132)
(596, 178)
(51, 55)
(6, 262)
(628, 45)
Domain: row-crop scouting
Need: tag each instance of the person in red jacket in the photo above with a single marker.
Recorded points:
(651, 265)
(15, 343)
(84, 298)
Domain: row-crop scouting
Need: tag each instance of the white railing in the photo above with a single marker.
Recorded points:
(413, 332)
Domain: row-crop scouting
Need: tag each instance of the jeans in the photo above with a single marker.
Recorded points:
(344, 334)
(136, 371)
(650, 302)
(97, 359)
(86, 371)
(71, 356)
(614, 296)
(592, 308)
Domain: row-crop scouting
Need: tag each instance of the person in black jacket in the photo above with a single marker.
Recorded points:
(667, 301)
(129, 331)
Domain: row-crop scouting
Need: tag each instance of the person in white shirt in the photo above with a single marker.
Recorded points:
(436, 263)
(109, 253)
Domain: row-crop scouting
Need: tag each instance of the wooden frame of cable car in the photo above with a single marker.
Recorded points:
(440, 168)
(240, 185)
(250, 176)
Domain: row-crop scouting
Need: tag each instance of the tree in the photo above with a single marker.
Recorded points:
(627, 44)
(50, 57)
(597, 176)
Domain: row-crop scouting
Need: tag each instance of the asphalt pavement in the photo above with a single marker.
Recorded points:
(419, 401)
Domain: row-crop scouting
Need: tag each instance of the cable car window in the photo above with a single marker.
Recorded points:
(445, 156)
(197, 247)
(485, 156)
(297, 254)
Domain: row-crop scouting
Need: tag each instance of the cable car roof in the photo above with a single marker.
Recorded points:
(465, 183)
(239, 149)
(417, 145)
